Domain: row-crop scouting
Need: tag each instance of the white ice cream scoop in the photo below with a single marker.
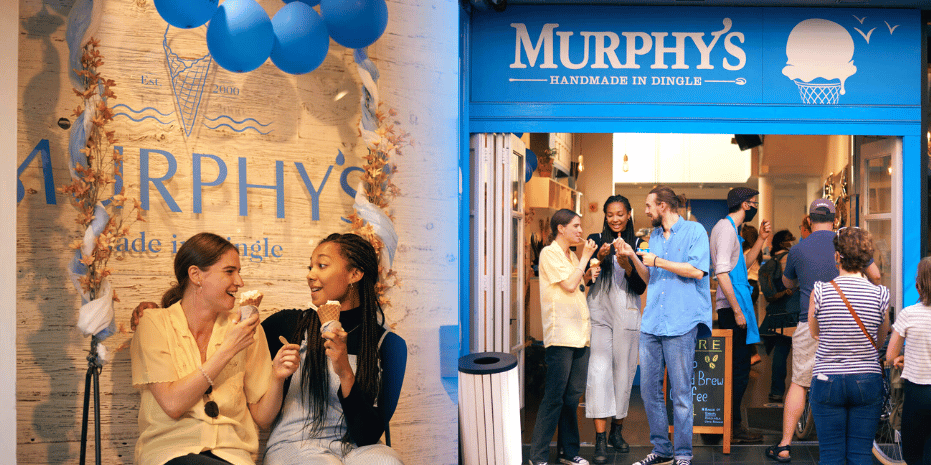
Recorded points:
(329, 316)
(249, 303)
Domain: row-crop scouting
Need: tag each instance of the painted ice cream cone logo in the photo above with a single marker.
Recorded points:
(820, 59)
(188, 75)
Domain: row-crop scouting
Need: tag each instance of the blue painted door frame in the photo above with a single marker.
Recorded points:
(905, 122)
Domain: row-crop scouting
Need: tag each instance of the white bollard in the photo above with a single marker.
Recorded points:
(489, 409)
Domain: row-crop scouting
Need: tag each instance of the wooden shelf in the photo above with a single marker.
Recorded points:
(547, 193)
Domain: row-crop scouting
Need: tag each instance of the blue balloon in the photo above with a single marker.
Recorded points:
(307, 2)
(355, 23)
(186, 14)
(301, 39)
(518, 134)
(530, 164)
(240, 35)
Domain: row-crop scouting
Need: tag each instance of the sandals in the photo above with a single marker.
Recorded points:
(774, 451)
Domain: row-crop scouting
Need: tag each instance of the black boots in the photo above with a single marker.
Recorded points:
(601, 448)
(617, 441)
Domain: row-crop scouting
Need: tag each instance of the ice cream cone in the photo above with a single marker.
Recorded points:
(249, 303)
(188, 79)
(819, 60)
(819, 93)
(329, 316)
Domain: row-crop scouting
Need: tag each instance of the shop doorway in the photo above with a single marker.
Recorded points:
(511, 205)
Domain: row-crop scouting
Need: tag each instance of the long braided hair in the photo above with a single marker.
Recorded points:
(315, 381)
(607, 236)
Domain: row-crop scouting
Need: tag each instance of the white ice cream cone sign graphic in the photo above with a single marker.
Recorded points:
(820, 59)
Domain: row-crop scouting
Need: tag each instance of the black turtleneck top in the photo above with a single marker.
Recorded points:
(363, 419)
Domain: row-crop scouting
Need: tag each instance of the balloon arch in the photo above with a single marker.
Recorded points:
(241, 36)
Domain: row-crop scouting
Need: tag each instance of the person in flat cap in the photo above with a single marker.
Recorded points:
(811, 261)
(733, 300)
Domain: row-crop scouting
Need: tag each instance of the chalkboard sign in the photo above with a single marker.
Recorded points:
(711, 387)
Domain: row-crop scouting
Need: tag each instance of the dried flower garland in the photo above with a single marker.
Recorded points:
(384, 139)
(96, 169)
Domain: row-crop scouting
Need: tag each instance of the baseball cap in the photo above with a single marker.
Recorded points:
(739, 195)
(822, 207)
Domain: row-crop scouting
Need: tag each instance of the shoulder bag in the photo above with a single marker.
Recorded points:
(865, 333)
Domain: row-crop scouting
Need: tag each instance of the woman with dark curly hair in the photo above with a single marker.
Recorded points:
(849, 317)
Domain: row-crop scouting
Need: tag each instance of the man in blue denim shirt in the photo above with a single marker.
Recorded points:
(678, 312)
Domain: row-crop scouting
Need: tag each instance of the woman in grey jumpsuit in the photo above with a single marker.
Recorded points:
(614, 305)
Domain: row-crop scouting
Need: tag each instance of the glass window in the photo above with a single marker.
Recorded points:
(879, 184)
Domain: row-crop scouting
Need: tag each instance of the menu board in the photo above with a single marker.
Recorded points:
(711, 386)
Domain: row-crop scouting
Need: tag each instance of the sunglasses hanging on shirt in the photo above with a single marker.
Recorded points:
(211, 408)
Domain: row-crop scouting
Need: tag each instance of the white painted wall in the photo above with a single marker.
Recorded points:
(8, 60)
(680, 158)
(596, 150)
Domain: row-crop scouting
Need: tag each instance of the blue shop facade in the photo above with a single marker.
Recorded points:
(580, 69)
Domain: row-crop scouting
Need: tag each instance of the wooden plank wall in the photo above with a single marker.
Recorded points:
(309, 120)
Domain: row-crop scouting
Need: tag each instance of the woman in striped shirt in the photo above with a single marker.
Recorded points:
(846, 385)
(914, 324)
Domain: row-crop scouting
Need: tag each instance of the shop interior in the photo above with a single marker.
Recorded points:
(579, 171)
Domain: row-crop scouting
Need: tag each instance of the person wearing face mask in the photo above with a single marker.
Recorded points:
(733, 299)
(614, 304)
(781, 313)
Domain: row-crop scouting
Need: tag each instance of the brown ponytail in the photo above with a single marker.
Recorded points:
(201, 250)
(664, 194)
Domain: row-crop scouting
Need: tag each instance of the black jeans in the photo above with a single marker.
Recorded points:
(566, 374)
(916, 423)
(203, 458)
(781, 347)
(740, 359)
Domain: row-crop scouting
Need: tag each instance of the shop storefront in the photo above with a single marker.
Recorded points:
(687, 70)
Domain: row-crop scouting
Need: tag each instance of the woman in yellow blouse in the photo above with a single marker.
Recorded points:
(566, 334)
(204, 376)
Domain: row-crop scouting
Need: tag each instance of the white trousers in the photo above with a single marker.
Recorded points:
(613, 362)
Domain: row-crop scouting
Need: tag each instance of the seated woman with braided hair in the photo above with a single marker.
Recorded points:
(329, 413)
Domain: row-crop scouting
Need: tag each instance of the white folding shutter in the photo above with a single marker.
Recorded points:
(491, 239)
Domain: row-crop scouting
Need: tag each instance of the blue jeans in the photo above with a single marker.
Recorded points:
(566, 372)
(846, 409)
(677, 354)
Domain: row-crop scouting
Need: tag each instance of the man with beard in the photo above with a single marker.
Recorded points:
(733, 299)
(677, 313)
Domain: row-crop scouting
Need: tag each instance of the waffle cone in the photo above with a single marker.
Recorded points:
(329, 311)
